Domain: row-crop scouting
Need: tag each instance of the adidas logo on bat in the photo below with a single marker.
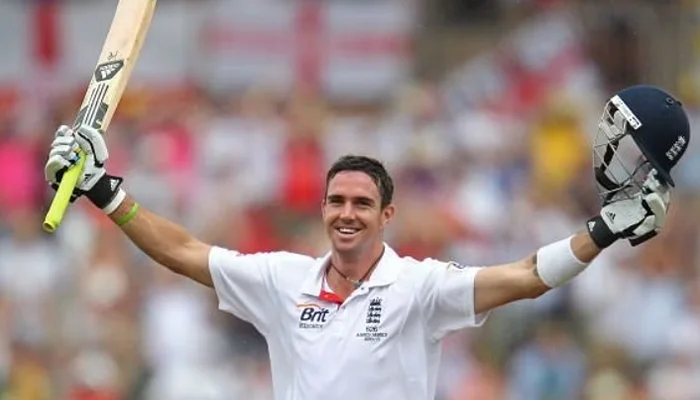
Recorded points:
(108, 70)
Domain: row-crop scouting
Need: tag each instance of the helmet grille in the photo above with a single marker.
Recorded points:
(620, 167)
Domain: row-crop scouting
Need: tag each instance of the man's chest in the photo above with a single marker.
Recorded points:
(369, 323)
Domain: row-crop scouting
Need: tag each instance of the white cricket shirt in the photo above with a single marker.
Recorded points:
(382, 343)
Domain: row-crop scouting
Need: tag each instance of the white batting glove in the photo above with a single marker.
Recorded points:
(64, 154)
(638, 219)
(94, 183)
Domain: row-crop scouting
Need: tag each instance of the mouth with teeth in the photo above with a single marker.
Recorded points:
(345, 232)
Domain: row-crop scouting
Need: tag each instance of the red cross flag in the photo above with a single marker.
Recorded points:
(354, 49)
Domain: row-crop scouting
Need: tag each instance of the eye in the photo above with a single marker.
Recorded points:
(364, 204)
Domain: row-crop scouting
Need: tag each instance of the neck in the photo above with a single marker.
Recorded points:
(356, 268)
(356, 265)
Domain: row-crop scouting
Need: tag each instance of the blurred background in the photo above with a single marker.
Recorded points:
(483, 110)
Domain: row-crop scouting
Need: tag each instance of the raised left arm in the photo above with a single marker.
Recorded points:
(503, 284)
(638, 219)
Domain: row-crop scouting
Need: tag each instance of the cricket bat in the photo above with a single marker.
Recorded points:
(119, 54)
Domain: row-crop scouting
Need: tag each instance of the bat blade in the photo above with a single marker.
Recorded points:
(109, 79)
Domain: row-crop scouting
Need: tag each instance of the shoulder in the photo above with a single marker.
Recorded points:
(421, 270)
(273, 259)
(422, 266)
(417, 270)
(290, 260)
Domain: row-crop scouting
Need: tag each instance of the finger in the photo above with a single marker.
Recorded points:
(648, 225)
(652, 183)
(63, 140)
(64, 131)
(88, 131)
(92, 142)
(65, 150)
(57, 162)
(658, 207)
(68, 153)
(64, 145)
(53, 165)
(84, 142)
(62, 150)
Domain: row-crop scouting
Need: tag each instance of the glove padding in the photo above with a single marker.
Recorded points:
(638, 218)
(93, 182)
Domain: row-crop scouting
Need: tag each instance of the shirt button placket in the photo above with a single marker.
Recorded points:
(338, 327)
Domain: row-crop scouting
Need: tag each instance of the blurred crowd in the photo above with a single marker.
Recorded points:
(85, 316)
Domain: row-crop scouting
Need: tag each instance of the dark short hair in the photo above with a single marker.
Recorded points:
(370, 166)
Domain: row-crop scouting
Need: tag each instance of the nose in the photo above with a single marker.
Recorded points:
(348, 211)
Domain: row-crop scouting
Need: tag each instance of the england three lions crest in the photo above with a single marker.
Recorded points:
(372, 331)
(374, 311)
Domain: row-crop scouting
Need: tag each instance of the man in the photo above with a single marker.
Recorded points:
(363, 322)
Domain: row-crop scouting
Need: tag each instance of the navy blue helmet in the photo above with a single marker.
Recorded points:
(643, 128)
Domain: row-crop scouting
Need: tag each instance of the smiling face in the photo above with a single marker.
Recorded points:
(353, 214)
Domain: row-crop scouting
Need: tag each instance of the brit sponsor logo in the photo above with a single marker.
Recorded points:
(312, 316)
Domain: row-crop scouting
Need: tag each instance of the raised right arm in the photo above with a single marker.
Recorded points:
(165, 242)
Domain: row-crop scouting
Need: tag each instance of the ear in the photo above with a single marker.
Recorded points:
(388, 214)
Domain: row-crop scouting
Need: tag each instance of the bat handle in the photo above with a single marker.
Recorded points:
(61, 199)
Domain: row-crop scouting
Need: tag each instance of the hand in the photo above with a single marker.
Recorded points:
(94, 182)
(638, 218)
(64, 154)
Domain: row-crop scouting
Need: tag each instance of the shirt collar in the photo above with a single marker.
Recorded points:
(385, 273)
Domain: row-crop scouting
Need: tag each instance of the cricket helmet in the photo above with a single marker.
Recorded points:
(642, 128)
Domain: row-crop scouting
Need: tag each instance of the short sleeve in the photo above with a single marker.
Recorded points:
(448, 298)
(243, 285)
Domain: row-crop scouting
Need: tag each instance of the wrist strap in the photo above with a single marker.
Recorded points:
(557, 264)
(600, 233)
(116, 202)
(129, 215)
(104, 191)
